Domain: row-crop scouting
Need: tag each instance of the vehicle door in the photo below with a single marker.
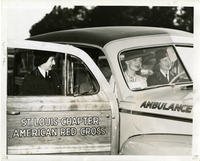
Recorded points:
(81, 119)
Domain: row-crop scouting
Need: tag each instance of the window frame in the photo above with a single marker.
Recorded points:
(69, 81)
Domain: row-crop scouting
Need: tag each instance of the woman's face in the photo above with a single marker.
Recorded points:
(165, 64)
(134, 64)
(50, 62)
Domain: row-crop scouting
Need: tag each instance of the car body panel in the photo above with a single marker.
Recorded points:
(158, 144)
(38, 125)
(47, 125)
(100, 36)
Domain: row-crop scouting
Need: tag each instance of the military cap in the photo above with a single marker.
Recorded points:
(41, 57)
(159, 54)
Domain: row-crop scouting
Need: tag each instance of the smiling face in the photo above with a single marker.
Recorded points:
(165, 64)
(134, 64)
(49, 63)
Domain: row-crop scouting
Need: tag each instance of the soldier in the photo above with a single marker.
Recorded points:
(163, 75)
(42, 80)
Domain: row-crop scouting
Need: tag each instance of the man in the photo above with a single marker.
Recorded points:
(163, 75)
(42, 81)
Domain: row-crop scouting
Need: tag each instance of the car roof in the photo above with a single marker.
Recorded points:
(100, 36)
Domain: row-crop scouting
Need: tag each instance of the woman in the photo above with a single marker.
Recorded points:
(134, 80)
(163, 75)
(133, 64)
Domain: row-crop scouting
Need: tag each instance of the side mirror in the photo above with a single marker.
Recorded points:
(171, 54)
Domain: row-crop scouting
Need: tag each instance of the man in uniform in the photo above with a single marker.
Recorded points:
(42, 80)
(163, 75)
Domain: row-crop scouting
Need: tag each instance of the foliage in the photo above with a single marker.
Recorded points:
(185, 19)
(60, 19)
(80, 16)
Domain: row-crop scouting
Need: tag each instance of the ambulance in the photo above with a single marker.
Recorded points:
(90, 116)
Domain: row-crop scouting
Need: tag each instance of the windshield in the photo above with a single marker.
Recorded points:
(152, 67)
(186, 57)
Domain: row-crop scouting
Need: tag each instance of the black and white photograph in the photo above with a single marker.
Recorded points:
(100, 80)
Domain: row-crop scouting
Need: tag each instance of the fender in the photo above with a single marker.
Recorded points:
(158, 144)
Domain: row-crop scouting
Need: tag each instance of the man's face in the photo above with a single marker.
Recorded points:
(165, 64)
(134, 64)
(50, 62)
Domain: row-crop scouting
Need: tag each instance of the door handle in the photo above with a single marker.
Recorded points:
(13, 113)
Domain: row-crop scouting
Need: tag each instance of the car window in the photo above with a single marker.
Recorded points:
(24, 67)
(80, 80)
(152, 67)
(100, 59)
(24, 75)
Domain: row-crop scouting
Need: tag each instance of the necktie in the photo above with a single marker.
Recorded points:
(46, 75)
(167, 77)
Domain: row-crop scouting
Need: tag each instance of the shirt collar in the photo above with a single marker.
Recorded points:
(42, 71)
(131, 79)
(164, 72)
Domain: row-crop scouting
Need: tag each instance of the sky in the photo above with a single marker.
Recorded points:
(20, 15)
(21, 30)
(20, 19)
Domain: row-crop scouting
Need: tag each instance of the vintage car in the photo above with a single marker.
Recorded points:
(112, 115)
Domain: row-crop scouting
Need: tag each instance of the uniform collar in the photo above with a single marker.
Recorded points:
(164, 72)
(42, 71)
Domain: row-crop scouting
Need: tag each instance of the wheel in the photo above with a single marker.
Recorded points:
(178, 78)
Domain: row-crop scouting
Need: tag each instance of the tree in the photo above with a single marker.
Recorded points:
(60, 19)
(80, 16)
(184, 20)
(161, 17)
(118, 15)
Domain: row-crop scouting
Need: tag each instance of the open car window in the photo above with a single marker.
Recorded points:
(71, 76)
(152, 67)
(23, 65)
